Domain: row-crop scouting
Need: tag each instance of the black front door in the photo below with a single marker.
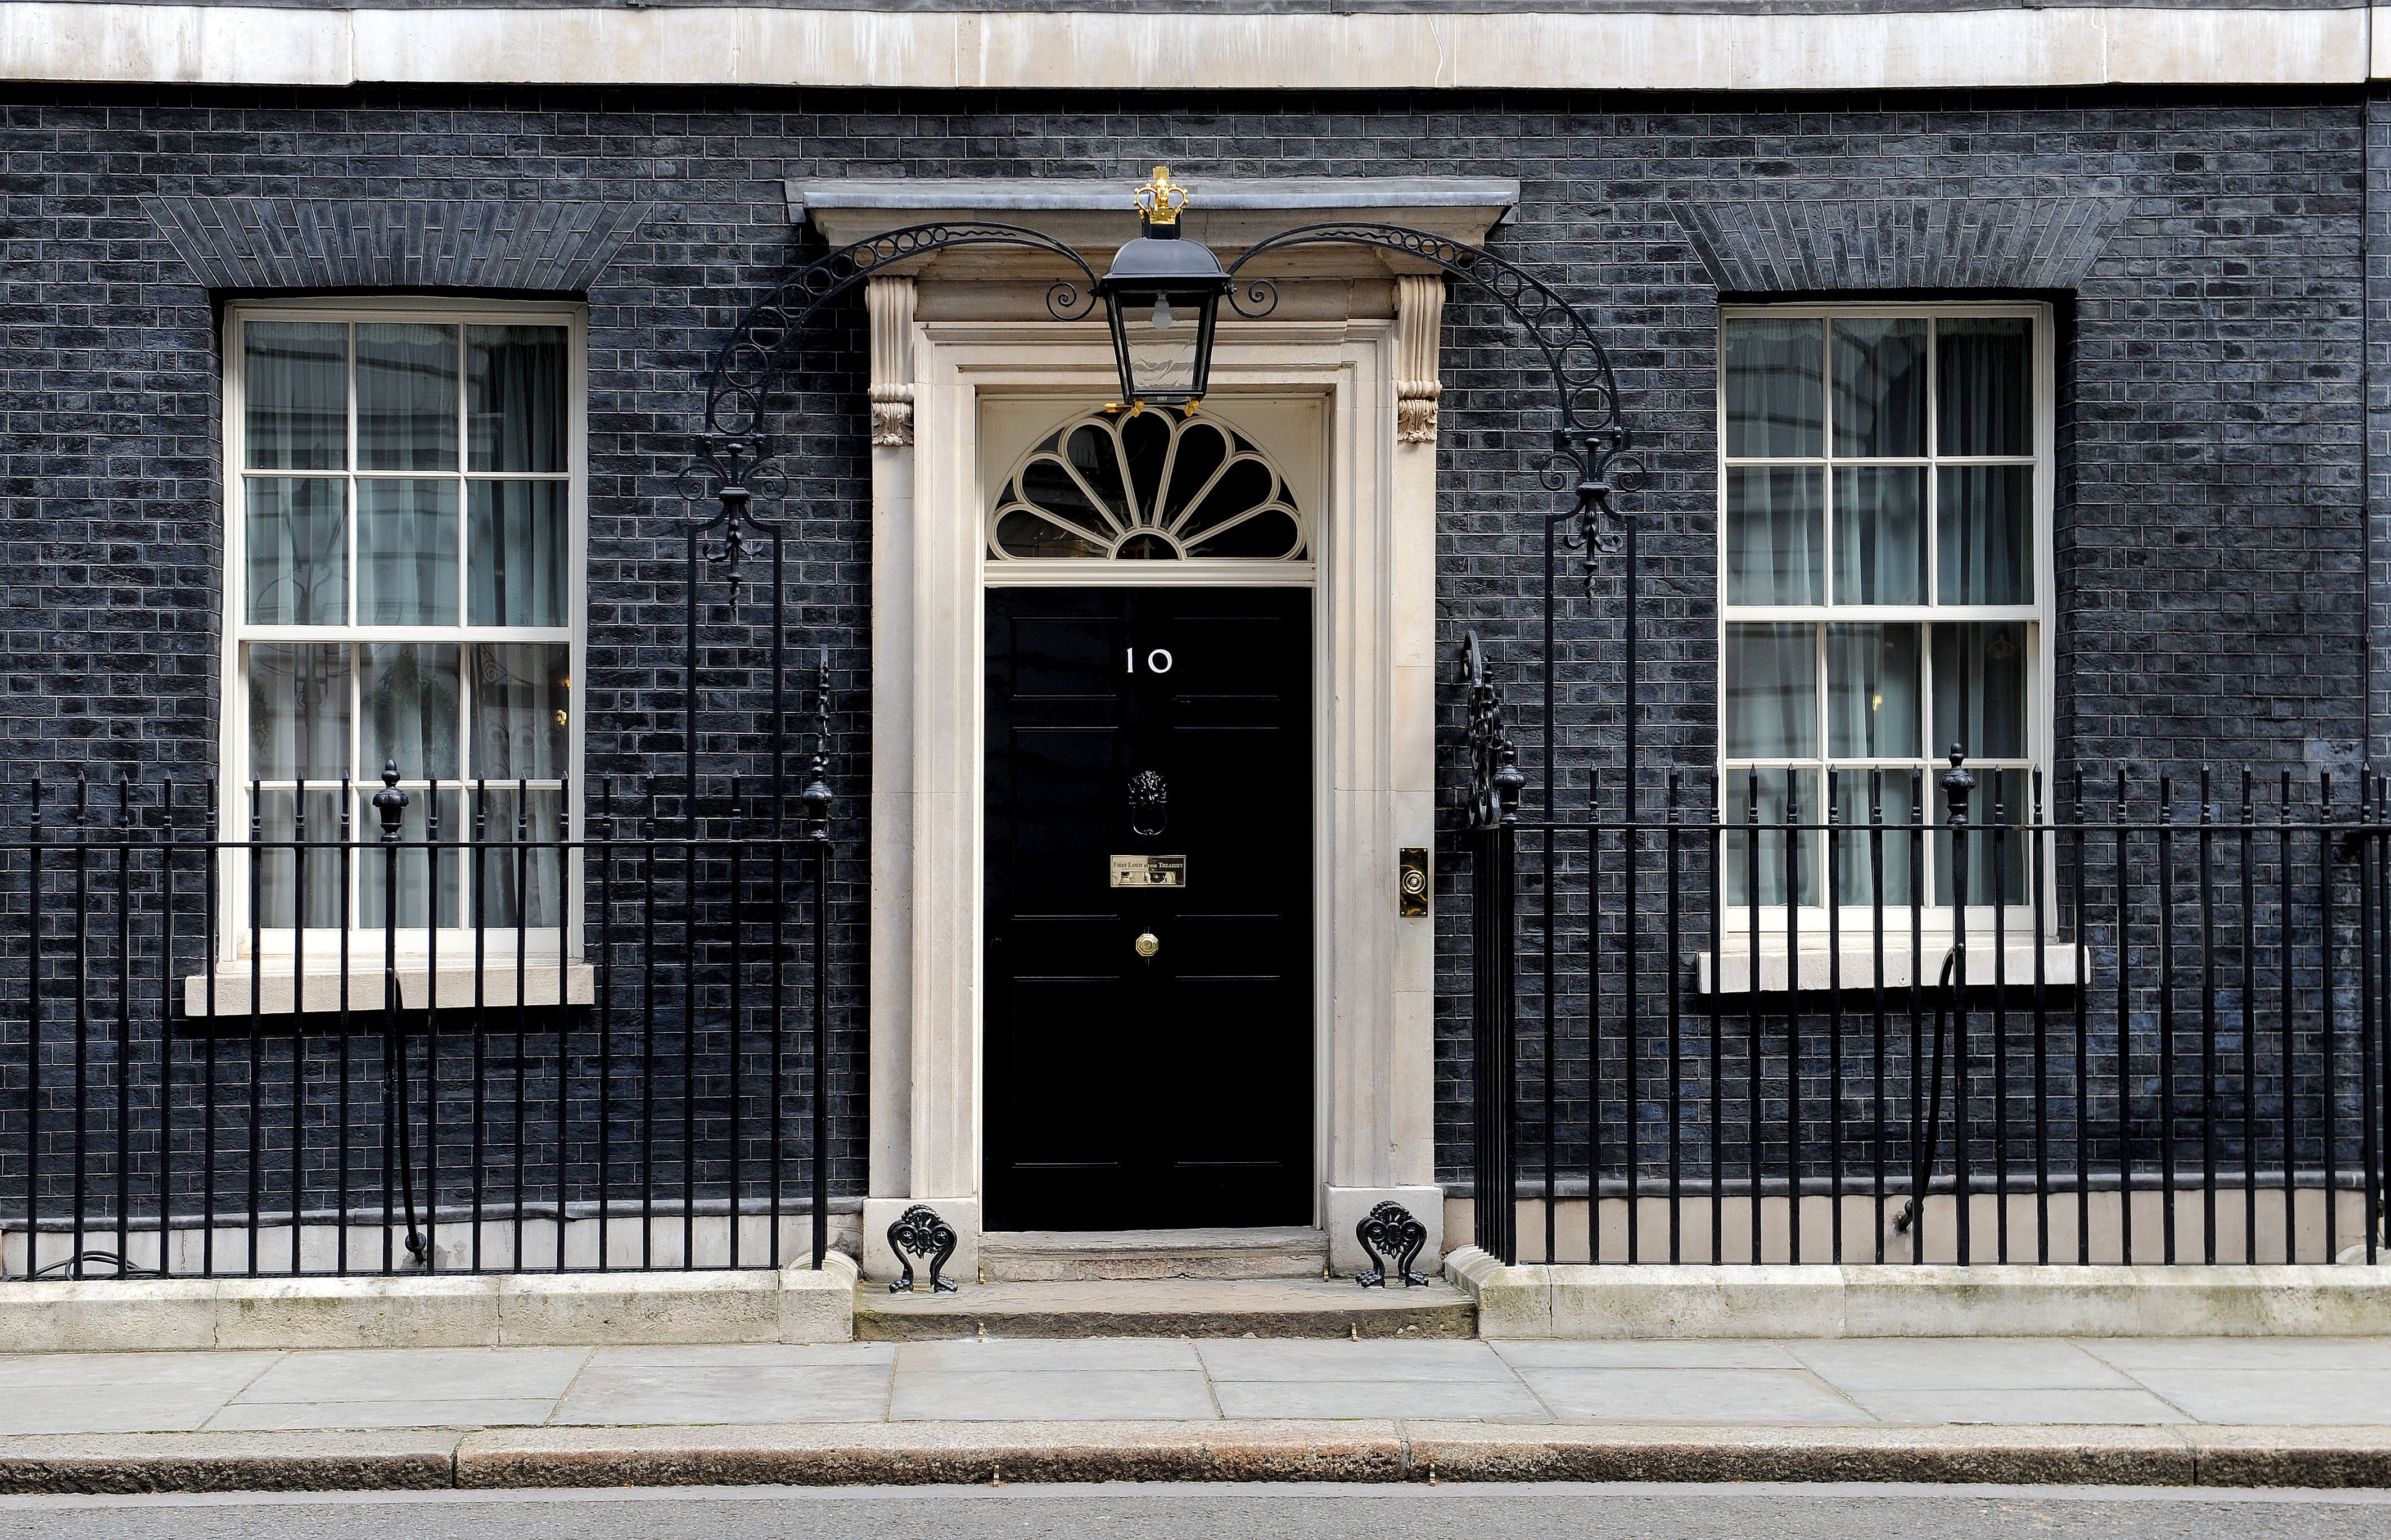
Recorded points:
(1148, 1027)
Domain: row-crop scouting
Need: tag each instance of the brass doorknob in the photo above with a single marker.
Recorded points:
(1148, 944)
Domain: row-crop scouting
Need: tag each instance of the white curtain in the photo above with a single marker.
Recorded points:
(1776, 535)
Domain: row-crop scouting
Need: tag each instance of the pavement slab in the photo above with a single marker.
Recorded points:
(412, 1374)
(382, 1412)
(623, 1394)
(1485, 1400)
(1079, 1395)
(1226, 1359)
(1691, 1395)
(1971, 1364)
(2135, 1354)
(2289, 1397)
(1717, 1354)
(2232, 1412)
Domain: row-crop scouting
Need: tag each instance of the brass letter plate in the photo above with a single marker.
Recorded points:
(1149, 871)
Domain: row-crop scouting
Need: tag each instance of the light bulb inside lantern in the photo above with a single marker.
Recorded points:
(1163, 319)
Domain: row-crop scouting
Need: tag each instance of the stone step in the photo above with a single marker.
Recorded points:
(1053, 1256)
(1165, 1307)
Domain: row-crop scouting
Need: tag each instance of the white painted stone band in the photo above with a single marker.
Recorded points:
(1522, 50)
(1595, 1303)
(795, 1304)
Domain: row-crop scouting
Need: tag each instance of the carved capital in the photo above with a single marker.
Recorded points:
(890, 303)
(1419, 318)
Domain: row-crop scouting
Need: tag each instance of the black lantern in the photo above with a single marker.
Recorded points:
(1162, 297)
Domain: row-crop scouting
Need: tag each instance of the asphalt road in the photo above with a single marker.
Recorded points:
(1197, 1512)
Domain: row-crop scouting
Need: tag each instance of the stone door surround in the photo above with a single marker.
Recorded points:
(1359, 336)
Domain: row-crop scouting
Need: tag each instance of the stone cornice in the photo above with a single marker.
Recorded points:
(1786, 48)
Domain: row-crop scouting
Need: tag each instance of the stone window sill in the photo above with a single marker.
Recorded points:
(1814, 972)
(318, 988)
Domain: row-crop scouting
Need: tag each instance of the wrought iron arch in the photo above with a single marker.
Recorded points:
(1592, 455)
(738, 454)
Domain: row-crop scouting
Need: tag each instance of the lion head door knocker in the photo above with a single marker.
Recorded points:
(917, 1233)
(1149, 803)
(1391, 1239)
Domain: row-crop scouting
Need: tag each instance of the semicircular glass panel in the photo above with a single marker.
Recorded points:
(1151, 486)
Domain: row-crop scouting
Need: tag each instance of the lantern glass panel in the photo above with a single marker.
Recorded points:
(1162, 334)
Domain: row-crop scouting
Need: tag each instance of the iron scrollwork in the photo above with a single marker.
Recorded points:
(1591, 456)
(1391, 1239)
(917, 1233)
(737, 462)
(1495, 774)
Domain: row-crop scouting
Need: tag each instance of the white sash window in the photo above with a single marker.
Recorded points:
(1884, 573)
(403, 581)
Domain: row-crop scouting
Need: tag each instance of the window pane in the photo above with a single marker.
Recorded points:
(515, 569)
(1775, 395)
(1775, 848)
(295, 383)
(1881, 534)
(409, 694)
(278, 873)
(1983, 528)
(1872, 691)
(1879, 387)
(415, 866)
(298, 711)
(1979, 689)
(1856, 882)
(1982, 397)
(1997, 862)
(515, 397)
(407, 397)
(1772, 691)
(520, 711)
(518, 882)
(1776, 535)
(296, 543)
(407, 552)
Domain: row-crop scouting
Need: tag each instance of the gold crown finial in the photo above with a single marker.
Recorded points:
(1161, 200)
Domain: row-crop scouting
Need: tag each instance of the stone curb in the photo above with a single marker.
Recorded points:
(413, 1461)
(1362, 1451)
(922, 1452)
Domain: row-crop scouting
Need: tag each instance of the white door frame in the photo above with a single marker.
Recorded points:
(1372, 778)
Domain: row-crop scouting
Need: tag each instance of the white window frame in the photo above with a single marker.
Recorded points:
(2037, 617)
(454, 944)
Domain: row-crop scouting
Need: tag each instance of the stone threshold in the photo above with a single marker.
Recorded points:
(1577, 1301)
(1165, 1307)
(1361, 1450)
(793, 1304)
(1035, 1256)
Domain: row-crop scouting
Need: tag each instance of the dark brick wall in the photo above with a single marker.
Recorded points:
(2210, 541)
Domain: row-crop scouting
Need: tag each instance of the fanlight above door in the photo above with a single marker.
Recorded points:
(1152, 487)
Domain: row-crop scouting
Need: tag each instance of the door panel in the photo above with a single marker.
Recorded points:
(1176, 1090)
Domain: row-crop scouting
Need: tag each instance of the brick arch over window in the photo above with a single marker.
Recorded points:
(1958, 245)
(268, 243)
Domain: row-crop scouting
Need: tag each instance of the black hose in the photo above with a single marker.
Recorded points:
(1922, 1172)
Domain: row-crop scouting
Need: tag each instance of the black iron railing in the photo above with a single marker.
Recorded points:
(579, 1047)
(2157, 1032)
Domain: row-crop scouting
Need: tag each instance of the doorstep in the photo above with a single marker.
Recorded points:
(1165, 1307)
(1050, 1256)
